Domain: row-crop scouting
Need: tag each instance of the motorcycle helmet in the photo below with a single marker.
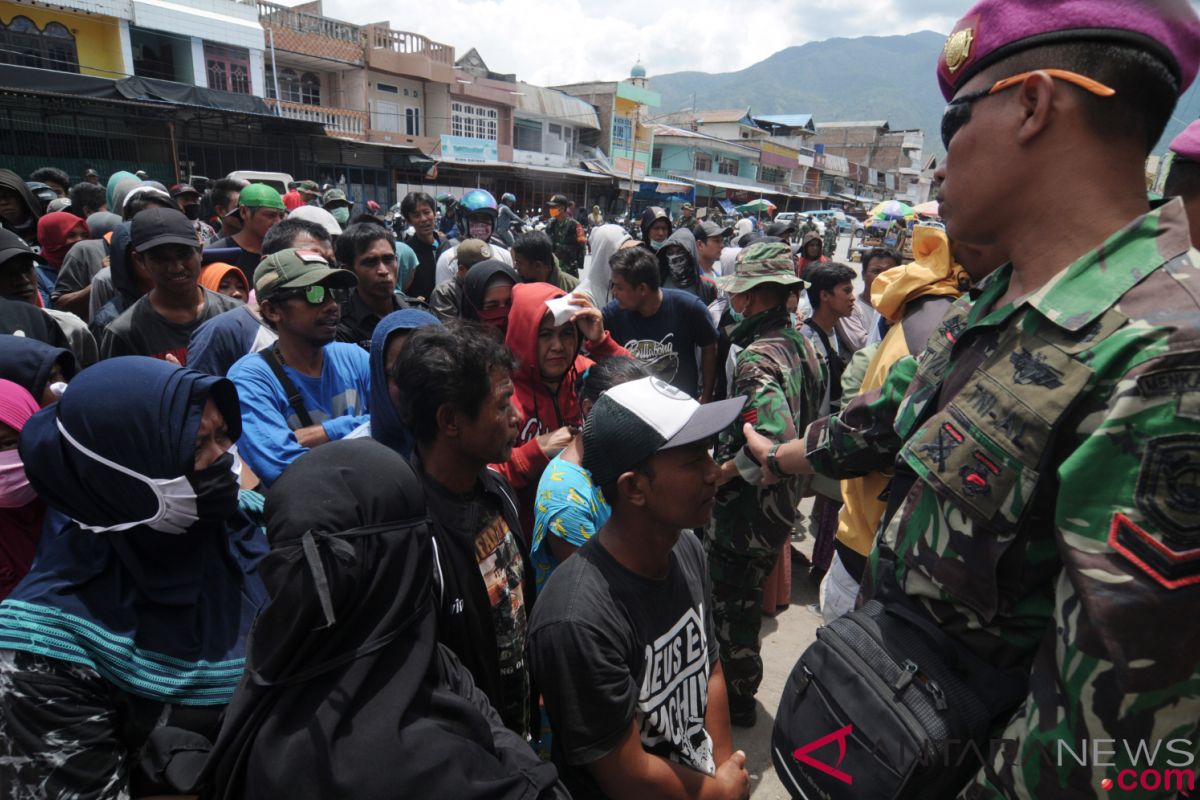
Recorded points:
(477, 201)
(42, 192)
(508, 198)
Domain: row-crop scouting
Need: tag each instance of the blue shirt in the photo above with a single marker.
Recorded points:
(569, 507)
(666, 342)
(337, 400)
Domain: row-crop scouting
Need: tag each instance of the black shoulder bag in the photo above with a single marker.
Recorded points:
(295, 399)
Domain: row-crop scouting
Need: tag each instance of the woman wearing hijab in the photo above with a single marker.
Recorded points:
(347, 693)
(487, 295)
(21, 510)
(387, 340)
(605, 240)
(121, 647)
(57, 233)
(38, 368)
(225, 279)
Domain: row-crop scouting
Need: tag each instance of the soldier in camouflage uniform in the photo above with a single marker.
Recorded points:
(1045, 508)
(778, 370)
(809, 225)
(566, 235)
(831, 237)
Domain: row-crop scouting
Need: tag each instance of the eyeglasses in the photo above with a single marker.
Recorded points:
(958, 111)
(314, 295)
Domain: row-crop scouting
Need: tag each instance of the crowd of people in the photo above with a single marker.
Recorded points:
(300, 500)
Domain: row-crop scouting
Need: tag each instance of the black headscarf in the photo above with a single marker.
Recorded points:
(27, 363)
(346, 692)
(27, 229)
(479, 278)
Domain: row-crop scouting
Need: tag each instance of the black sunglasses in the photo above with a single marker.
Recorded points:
(958, 110)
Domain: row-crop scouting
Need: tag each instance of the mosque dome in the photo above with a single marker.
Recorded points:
(638, 71)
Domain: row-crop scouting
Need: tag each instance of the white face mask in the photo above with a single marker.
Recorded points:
(15, 490)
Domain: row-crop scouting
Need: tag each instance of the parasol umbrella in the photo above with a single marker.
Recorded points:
(892, 209)
(929, 209)
(758, 206)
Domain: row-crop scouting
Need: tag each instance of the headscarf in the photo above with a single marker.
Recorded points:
(344, 673)
(386, 427)
(21, 510)
(27, 362)
(53, 229)
(606, 240)
(114, 179)
(102, 222)
(211, 276)
(146, 568)
(480, 277)
(122, 191)
(932, 273)
(28, 227)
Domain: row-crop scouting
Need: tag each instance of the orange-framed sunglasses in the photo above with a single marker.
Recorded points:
(958, 110)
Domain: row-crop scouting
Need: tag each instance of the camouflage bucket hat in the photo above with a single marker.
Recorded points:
(769, 262)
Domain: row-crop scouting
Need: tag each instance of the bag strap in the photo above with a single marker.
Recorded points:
(295, 399)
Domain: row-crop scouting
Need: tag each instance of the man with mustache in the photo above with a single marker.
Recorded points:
(308, 389)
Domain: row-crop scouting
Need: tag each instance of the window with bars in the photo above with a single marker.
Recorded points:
(53, 47)
(727, 166)
(703, 162)
(475, 122)
(228, 68)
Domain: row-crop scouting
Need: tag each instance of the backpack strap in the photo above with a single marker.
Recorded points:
(295, 399)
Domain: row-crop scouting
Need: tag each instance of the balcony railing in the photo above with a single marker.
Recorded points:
(303, 22)
(412, 44)
(337, 121)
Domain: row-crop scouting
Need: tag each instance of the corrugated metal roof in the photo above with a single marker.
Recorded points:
(786, 120)
(555, 105)
(670, 130)
(877, 123)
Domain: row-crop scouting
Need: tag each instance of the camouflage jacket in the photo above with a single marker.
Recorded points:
(564, 235)
(780, 372)
(1051, 519)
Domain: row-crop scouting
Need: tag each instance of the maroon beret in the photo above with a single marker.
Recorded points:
(993, 30)
(1187, 144)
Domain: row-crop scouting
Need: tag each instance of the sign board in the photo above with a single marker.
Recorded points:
(465, 148)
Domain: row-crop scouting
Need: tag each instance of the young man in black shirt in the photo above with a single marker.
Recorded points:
(260, 208)
(455, 394)
(621, 641)
(418, 210)
(369, 251)
(164, 246)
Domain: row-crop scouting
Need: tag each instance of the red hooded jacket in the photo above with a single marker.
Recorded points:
(541, 409)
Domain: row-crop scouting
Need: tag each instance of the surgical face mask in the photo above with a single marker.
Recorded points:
(192, 211)
(656, 245)
(57, 388)
(207, 495)
(734, 314)
(15, 490)
(480, 230)
(341, 214)
(554, 212)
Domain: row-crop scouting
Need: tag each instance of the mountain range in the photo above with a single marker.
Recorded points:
(868, 78)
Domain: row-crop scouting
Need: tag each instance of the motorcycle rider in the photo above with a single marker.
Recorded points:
(506, 217)
(477, 213)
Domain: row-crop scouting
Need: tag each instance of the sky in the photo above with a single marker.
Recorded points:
(569, 41)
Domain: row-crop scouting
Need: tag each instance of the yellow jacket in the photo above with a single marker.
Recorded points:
(895, 293)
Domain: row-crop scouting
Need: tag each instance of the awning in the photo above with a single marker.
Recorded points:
(749, 188)
(577, 173)
(600, 168)
(671, 186)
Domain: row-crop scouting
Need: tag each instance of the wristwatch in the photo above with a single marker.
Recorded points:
(773, 462)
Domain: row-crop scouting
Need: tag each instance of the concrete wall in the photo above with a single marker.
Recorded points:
(97, 39)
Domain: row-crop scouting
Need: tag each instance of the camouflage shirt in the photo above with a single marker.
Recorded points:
(1052, 517)
(564, 236)
(780, 373)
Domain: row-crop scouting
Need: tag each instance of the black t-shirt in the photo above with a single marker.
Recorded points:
(247, 262)
(608, 646)
(666, 342)
(426, 275)
(142, 331)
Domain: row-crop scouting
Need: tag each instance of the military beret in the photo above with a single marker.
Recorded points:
(1187, 144)
(993, 30)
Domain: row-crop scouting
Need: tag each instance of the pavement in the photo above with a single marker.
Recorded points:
(784, 637)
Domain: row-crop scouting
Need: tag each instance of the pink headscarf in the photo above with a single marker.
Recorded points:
(16, 405)
(52, 233)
